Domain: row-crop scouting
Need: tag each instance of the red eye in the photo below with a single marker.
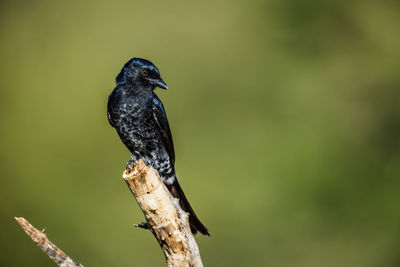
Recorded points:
(145, 73)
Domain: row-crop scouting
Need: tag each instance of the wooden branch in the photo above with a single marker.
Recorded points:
(165, 218)
(40, 238)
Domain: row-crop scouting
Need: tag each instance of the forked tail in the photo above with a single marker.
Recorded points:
(195, 223)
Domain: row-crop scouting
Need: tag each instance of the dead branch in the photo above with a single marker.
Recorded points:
(165, 218)
(40, 238)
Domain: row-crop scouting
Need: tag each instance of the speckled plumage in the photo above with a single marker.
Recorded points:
(139, 118)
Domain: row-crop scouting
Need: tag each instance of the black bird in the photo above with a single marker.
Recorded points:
(139, 117)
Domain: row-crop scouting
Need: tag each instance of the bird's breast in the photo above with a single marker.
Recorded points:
(136, 120)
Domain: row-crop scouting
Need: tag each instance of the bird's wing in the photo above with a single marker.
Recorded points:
(111, 107)
(162, 122)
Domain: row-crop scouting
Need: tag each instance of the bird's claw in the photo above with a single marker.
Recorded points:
(143, 225)
(130, 164)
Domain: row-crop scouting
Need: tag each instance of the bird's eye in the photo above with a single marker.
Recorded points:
(145, 72)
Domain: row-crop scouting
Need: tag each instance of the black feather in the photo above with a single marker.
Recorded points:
(139, 118)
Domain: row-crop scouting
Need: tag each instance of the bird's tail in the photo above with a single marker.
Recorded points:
(195, 223)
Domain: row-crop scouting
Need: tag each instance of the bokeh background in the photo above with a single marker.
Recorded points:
(285, 117)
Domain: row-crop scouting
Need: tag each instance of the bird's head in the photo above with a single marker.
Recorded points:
(142, 72)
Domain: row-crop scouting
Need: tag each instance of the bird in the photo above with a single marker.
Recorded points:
(139, 117)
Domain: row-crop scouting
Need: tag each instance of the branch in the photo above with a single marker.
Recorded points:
(165, 218)
(40, 238)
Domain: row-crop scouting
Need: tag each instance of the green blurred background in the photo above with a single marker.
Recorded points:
(285, 117)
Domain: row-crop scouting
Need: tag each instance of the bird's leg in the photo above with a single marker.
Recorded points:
(143, 225)
(131, 164)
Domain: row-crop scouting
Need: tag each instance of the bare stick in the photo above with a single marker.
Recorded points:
(165, 218)
(40, 238)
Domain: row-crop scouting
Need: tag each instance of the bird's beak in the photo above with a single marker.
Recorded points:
(159, 83)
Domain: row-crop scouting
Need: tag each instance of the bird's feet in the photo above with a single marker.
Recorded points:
(143, 225)
(130, 164)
